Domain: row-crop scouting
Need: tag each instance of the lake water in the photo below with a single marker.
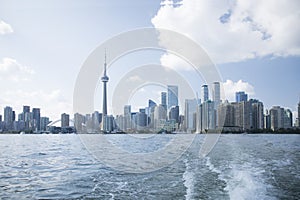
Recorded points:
(252, 166)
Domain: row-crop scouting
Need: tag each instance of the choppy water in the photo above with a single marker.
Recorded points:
(239, 167)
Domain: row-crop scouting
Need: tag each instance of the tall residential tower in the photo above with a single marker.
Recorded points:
(172, 96)
(204, 93)
(216, 94)
(241, 96)
(299, 114)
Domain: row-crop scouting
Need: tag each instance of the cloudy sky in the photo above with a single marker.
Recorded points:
(43, 44)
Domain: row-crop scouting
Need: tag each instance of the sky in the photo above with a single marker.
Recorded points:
(255, 46)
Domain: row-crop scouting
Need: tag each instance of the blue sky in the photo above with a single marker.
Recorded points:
(44, 43)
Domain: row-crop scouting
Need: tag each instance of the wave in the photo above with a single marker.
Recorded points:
(243, 180)
(188, 180)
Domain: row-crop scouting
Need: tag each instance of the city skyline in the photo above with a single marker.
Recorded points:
(199, 116)
(210, 97)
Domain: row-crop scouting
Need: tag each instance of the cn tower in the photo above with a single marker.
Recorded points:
(104, 79)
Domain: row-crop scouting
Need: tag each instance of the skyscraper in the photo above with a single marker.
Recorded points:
(241, 96)
(172, 96)
(109, 124)
(174, 113)
(44, 123)
(216, 99)
(277, 117)
(160, 116)
(36, 116)
(267, 120)
(204, 93)
(8, 118)
(287, 119)
(226, 115)
(79, 120)
(190, 114)
(208, 116)
(104, 79)
(65, 120)
(164, 99)
(257, 115)
(141, 119)
(299, 114)
(216, 94)
(150, 113)
(26, 109)
(127, 117)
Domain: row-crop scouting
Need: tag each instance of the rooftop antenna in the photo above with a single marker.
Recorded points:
(105, 62)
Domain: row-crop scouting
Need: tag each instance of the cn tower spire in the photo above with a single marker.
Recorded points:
(105, 63)
(104, 79)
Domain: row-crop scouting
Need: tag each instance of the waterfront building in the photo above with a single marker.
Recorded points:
(208, 116)
(8, 118)
(241, 96)
(141, 119)
(65, 118)
(299, 114)
(216, 94)
(164, 99)
(79, 122)
(120, 122)
(36, 115)
(216, 99)
(276, 118)
(226, 115)
(108, 123)
(204, 92)
(172, 96)
(20, 117)
(287, 119)
(127, 118)
(150, 113)
(26, 109)
(174, 113)
(96, 120)
(160, 115)
(257, 115)
(21, 126)
(243, 115)
(190, 114)
(267, 121)
(28, 120)
(43, 123)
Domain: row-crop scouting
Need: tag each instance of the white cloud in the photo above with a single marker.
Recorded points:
(5, 28)
(17, 91)
(52, 103)
(236, 30)
(11, 70)
(174, 62)
(230, 88)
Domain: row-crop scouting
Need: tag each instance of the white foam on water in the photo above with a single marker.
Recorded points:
(211, 167)
(246, 182)
(242, 185)
(112, 196)
(188, 180)
(243, 181)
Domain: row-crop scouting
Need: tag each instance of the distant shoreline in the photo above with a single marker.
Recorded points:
(250, 133)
